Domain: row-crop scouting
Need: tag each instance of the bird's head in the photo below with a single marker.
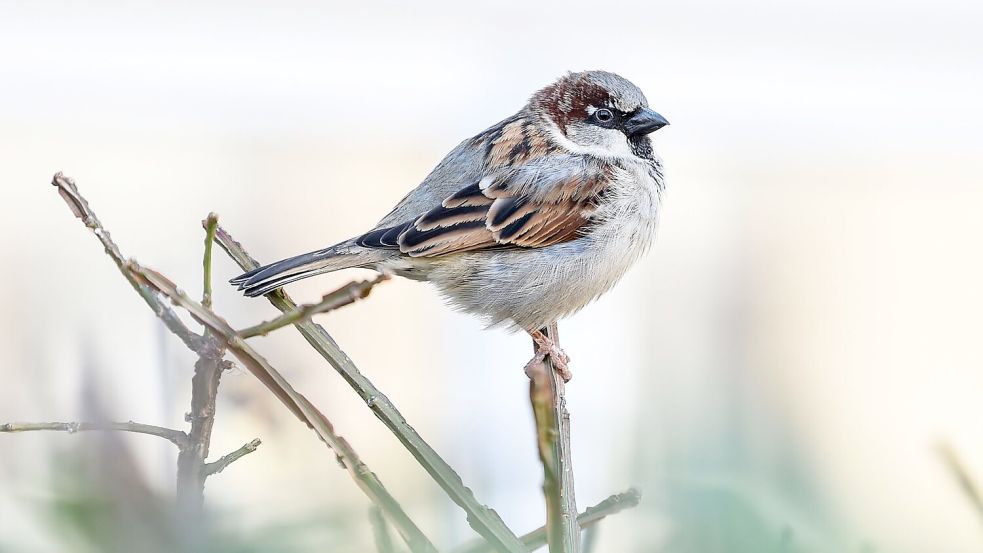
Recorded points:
(598, 113)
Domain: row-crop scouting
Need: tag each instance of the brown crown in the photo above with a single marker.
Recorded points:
(567, 99)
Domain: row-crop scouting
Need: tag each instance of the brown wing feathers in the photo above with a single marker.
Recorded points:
(500, 211)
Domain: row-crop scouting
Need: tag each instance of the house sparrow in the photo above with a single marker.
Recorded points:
(526, 222)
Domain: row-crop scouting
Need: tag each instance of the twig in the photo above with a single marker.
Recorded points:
(191, 469)
(296, 402)
(226, 460)
(80, 207)
(483, 519)
(380, 532)
(210, 223)
(537, 538)
(176, 437)
(966, 481)
(546, 393)
(346, 295)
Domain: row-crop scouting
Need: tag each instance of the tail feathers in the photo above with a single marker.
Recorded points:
(264, 280)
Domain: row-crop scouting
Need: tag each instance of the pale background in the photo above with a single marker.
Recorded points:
(779, 369)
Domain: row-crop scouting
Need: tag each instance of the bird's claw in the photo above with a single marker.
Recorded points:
(544, 347)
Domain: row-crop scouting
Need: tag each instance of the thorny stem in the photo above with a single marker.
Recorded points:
(546, 393)
(176, 437)
(346, 295)
(484, 520)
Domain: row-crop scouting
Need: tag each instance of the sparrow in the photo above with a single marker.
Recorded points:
(524, 223)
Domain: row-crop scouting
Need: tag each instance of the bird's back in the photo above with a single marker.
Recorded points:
(462, 167)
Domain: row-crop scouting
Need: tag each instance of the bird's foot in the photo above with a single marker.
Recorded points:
(544, 347)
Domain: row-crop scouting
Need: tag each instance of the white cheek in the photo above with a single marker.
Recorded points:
(608, 143)
(616, 143)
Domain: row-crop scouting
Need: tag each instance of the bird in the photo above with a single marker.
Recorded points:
(524, 223)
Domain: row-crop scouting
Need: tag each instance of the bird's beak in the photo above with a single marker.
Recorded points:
(643, 122)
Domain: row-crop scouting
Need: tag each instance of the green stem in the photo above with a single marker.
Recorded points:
(210, 223)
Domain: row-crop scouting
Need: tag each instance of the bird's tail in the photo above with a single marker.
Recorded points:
(267, 278)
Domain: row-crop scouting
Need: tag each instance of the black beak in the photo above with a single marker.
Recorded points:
(643, 122)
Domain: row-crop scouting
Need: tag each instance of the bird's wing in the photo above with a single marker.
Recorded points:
(543, 201)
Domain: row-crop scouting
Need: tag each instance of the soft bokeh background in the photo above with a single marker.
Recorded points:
(776, 375)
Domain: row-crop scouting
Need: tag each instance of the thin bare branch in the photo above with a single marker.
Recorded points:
(483, 519)
(546, 393)
(176, 437)
(80, 207)
(226, 460)
(346, 295)
(537, 538)
(296, 402)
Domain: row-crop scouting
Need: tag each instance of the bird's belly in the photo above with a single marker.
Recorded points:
(532, 288)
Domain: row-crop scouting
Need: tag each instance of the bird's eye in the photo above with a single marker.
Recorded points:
(603, 115)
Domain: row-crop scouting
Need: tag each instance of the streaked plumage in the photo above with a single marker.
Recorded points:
(526, 222)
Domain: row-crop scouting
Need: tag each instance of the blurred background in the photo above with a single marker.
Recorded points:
(778, 374)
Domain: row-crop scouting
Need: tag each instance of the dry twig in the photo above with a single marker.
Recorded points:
(226, 460)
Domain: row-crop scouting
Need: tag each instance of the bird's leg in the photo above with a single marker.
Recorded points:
(545, 346)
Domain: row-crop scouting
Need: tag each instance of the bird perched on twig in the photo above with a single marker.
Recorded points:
(526, 222)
